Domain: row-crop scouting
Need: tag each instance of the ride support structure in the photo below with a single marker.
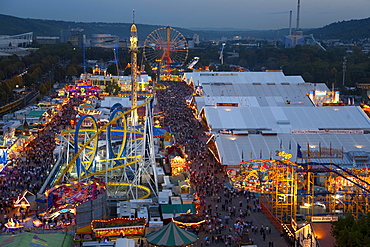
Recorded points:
(117, 153)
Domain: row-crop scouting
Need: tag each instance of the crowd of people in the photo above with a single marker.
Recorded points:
(28, 169)
(226, 210)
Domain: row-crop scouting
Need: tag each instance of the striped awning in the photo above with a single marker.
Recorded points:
(171, 235)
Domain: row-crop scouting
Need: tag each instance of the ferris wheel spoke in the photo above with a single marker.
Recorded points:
(177, 44)
(177, 36)
(165, 45)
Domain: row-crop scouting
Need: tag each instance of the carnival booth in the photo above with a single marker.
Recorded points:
(178, 165)
(14, 224)
(65, 198)
(119, 227)
(189, 220)
(179, 236)
(83, 88)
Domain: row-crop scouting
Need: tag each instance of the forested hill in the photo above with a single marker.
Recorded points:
(10, 25)
(344, 30)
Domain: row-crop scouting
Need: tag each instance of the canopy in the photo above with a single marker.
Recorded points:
(189, 219)
(33, 239)
(171, 235)
(159, 132)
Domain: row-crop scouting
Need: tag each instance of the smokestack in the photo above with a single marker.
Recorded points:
(290, 23)
(298, 10)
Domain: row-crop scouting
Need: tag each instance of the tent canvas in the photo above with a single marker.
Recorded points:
(34, 239)
(171, 235)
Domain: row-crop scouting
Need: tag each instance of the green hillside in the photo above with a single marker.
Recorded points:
(344, 30)
(10, 25)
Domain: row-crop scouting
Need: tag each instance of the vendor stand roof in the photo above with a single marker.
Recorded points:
(189, 219)
(171, 235)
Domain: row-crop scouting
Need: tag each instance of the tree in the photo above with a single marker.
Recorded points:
(113, 87)
(212, 67)
(350, 232)
(175, 72)
(112, 69)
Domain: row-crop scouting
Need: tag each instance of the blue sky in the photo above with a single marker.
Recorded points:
(237, 14)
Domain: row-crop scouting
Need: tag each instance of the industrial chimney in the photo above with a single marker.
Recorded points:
(290, 23)
(298, 10)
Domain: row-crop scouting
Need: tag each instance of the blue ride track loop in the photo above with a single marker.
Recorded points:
(116, 106)
(326, 167)
(118, 110)
(79, 167)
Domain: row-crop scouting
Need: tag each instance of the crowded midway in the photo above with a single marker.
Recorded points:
(231, 216)
(28, 170)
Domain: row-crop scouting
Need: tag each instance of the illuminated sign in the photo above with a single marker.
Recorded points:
(230, 132)
(284, 155)
(324, 218)
(361, 132)
(227, 104)
(217, 74)
(333, 104)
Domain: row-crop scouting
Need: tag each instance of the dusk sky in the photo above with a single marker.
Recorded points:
(239, 14)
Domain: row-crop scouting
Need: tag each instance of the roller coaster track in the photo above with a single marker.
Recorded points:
(67, 167)
(327, 169)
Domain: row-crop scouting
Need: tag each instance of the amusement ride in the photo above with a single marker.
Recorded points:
(165, 48)
(121, 151)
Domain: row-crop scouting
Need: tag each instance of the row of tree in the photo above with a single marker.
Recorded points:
(42, 68)
(349, 232)
(311, 62)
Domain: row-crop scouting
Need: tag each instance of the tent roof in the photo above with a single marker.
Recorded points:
(177, 208)
(234, 149)
(28, 238)
(171, 235)
(35, 114)
(287, 119)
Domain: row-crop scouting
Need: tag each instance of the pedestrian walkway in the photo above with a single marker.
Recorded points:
(226, 210)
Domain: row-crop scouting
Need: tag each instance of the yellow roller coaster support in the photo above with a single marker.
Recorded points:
(104, 127)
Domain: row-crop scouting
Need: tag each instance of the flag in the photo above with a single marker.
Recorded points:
(342, 153)
(330, 151)
(319, 149)
(251, 155)
(270, 155)
(281, 144)
(242, 156)
(290, 146)
(308, 150)
(261, 154)
(299, 152)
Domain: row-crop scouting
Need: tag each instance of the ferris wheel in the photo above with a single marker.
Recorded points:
(166, 45)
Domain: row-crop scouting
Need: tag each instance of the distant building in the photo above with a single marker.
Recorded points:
(296, 38)
(19, 40)
(6, 51)
(103, 40)
(47, 40)
(75, 36)
(191, 43)
(196, 39)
